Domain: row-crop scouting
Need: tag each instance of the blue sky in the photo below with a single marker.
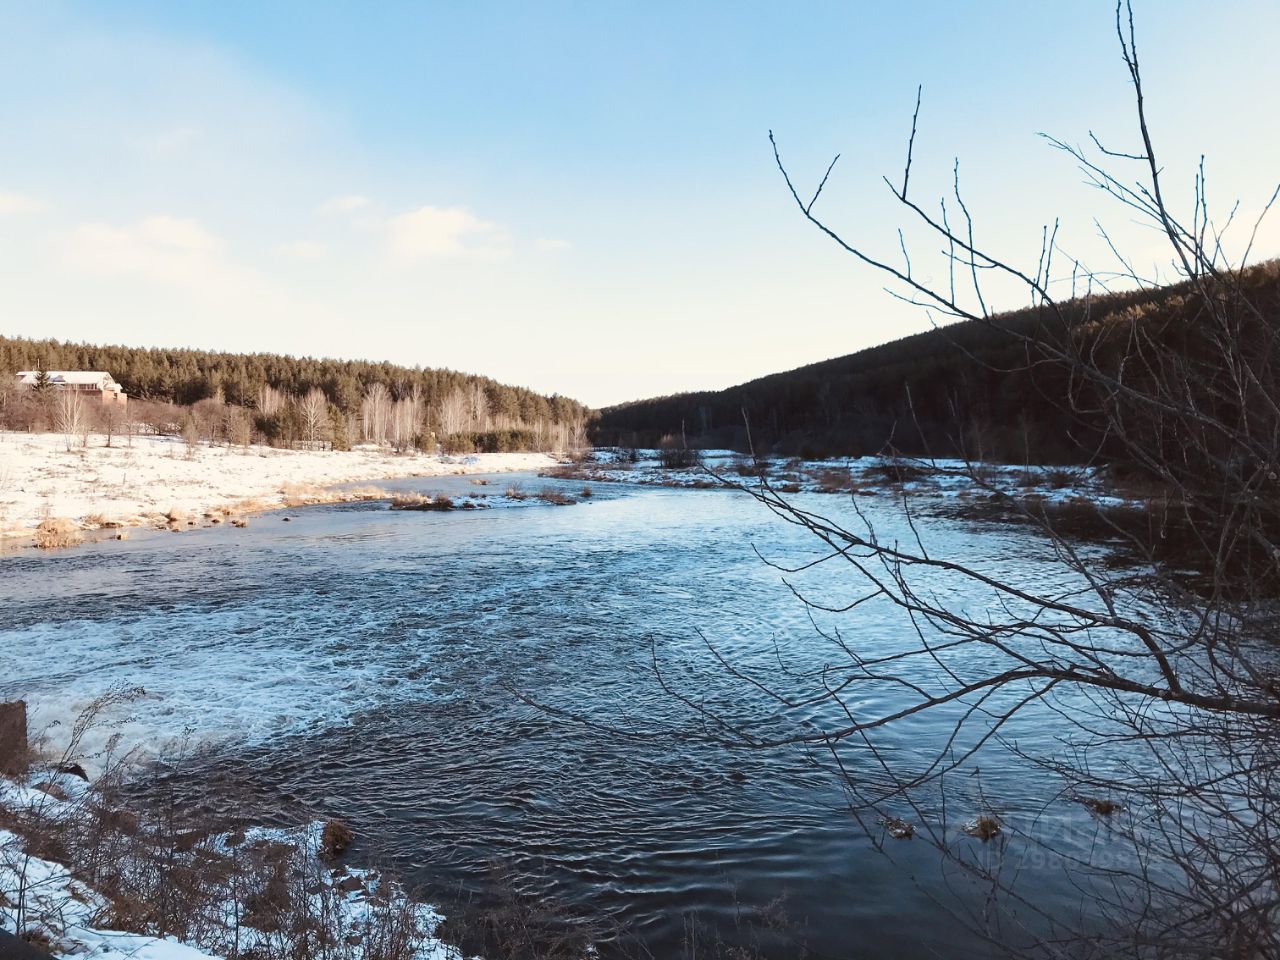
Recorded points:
(579, 197)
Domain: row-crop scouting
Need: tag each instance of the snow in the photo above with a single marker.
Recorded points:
(60, 910)
(143, 481)
(943, 478)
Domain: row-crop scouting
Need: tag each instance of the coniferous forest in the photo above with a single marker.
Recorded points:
(981, 389)
(290, 399)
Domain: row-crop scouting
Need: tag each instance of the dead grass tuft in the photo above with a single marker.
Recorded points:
(984, 827)
(557, 498)
(335, 839)
(421, 501)
(56, 532)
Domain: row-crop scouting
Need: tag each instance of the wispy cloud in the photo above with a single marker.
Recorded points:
(445, 232)
(349, 203)
(305, 250)
(548, 244)
(163, 248)
(16, 203)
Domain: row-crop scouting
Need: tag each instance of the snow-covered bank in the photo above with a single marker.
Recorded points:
(80, 877)
(153, 479)
(863, 476)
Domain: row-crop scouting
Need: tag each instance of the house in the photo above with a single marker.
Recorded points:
(97, 385)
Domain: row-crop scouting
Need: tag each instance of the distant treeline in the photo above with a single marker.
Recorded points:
(289, 399)
(967, 388)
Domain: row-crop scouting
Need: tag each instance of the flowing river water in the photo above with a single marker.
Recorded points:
(376, 665)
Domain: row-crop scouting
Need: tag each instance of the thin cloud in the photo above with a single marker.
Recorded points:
(12, 204)
(306, 250)
(163, 248)
(349, 203)
(549, 244)
(444, 232)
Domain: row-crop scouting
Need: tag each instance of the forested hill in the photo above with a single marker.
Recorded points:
(962, 388)
(188, 376)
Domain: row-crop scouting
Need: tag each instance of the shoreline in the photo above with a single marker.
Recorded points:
(158, 482)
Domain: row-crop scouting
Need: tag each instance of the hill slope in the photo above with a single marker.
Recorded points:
(967, 385)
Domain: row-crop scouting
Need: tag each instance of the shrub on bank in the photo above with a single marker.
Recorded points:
(490, 441)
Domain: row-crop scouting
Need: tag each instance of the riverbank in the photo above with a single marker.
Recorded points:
(867, 476)
(149, 481)
(83, 874)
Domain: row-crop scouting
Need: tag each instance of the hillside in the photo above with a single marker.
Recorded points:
(967, 387)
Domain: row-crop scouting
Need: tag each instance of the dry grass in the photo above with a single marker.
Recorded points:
(833, 481)
(557, 498)
(984, 827)
(159, 868)
(422, 501)
(57, 532)
(310, 494)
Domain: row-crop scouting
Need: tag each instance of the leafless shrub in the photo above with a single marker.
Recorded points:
(164, 870)
(1159, 678)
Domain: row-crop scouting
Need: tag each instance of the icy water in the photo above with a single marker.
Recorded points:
(366, 663)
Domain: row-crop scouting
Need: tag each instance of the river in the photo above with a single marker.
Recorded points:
(363, 662)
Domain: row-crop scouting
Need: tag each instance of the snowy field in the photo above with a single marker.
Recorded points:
(152, 479)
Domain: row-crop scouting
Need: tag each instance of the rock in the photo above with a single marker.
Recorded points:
(984, 827)
(73, 770)
(188, 840)
(737, 776)
(285, 519)
(14, 752)
(53, 790)
(124, 821)
(1099, 806)
(898, 829)
(240, 523)
(349, 885)
(335, 839)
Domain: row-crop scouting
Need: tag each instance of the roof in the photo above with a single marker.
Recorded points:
(92, 377)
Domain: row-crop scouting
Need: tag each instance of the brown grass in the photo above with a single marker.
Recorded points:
(554, 497)
(421, 501)
(57, 532)
(833, 481)
(984, 827)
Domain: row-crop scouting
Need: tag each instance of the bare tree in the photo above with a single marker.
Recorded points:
(1157, 678)
(375, 413)
(72, 416)
(1165, 681)
(314, 410)
(477, 408)
(406, 419)
(239, 426)
(270, 400)
(454, 413)
(111, 417)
